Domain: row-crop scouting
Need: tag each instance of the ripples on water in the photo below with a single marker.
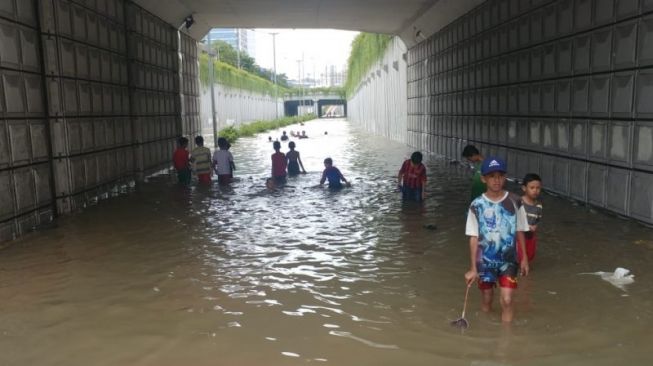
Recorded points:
(242, 276)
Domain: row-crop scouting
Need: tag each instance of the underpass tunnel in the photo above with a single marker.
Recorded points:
(95, 93)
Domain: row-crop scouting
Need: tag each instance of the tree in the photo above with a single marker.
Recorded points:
(228, 54)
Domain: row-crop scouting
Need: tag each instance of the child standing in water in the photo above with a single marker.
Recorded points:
(294, 161)
(279, 164)
(412, 178)
(332, 174)
(232, 165)
(201, 158)
(496, 223)
(223, 162)
(532, 187)
(474, 157)
(181, 161)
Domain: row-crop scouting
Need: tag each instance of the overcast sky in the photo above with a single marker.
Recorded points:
(320, 48)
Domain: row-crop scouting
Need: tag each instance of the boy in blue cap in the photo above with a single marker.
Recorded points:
(496, 223)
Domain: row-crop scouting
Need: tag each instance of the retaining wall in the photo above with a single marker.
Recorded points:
(236, 106)
(379, 104)
(561, 88)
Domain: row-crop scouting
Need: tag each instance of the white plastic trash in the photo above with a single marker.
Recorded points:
(619, 278)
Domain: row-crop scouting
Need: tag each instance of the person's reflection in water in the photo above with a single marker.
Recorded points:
(414, 221)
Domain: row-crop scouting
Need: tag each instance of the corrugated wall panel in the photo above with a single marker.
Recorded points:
(89, 101)
(25, 189)
(152, 49)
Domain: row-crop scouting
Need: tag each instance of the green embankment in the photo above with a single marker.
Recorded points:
(228, 75)
(232, 133)
(366, 49)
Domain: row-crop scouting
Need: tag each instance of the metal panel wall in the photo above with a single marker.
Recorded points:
(25, 174)
(562, 88)
(190, 89)
(89, 100)
(84, 47)
(154, 89)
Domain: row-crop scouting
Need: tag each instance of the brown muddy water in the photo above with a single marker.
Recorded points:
(209, 276)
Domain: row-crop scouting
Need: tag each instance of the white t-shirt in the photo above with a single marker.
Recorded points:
(471, 228)
(222, 159)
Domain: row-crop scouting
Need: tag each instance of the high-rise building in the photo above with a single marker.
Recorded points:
(335, 76)
(240, 39)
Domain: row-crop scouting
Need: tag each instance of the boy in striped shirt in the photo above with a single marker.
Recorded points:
(201, 159)
(412, 178)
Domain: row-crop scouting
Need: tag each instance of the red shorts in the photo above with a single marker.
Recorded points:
(504, 282)
(224, 178)
(531, 245)
(204, 178)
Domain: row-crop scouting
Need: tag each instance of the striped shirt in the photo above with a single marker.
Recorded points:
(202, 160)
(414, 176)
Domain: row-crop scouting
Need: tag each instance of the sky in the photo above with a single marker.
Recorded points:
(318, 47)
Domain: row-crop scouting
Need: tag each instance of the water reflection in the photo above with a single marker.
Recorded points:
(243, 276)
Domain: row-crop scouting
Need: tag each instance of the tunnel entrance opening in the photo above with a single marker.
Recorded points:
(298, 107)
(332, 108)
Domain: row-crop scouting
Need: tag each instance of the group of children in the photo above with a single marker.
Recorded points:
(284, 136)
(290, 163)
(200, 161)
(501, 226)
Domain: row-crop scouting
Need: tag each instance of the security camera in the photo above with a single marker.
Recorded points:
(188, 22)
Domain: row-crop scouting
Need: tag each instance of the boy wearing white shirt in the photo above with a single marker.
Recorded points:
(496, 223)
(223, 162)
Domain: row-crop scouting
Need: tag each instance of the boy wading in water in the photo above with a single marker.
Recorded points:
(412, 178)
(532, 187)
(201, 158)
(333, 175)
(495, 225)
(223, 162)
(181, 161)
(474, 157)
(279, 164)
(293, 160)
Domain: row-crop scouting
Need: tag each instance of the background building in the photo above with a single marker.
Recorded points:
(240, 39)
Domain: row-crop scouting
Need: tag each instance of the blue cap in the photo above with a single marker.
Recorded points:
(493, 164)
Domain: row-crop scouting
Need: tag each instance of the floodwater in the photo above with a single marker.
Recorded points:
(241, 276)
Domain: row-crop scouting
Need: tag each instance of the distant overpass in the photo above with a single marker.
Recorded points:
(316, 103)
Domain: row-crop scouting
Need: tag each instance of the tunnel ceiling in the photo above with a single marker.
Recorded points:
(399, 17)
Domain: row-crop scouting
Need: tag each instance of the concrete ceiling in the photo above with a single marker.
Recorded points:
(398, 17)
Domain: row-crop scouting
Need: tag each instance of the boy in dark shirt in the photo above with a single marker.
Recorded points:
(333, 175)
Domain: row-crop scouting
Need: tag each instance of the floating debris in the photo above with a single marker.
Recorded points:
(619, 278)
